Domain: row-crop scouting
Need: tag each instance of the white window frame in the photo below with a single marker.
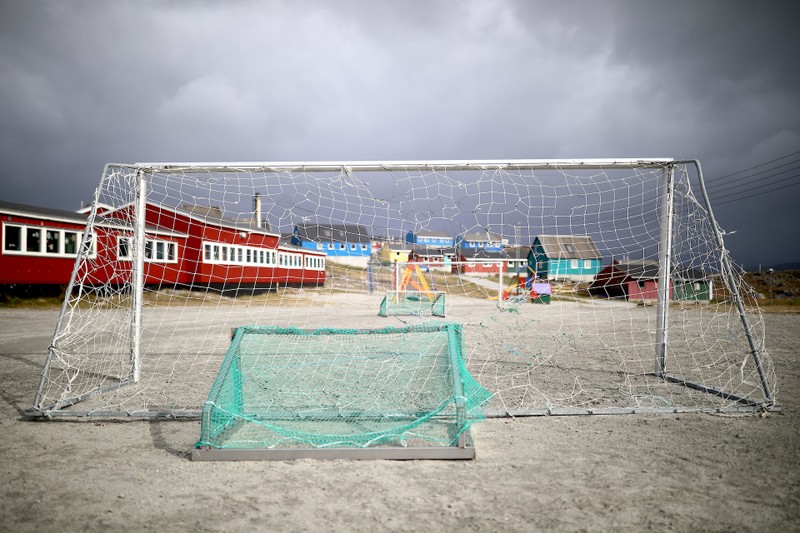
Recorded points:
(129, 243)
(222, 253)
(154, 245)
(53, 236)
(40, 232)
(78, 234)
(314, 263)
(42, 251)
(20, 241)
(290, 261)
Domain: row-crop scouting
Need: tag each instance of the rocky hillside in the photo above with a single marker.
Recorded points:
(785, 288)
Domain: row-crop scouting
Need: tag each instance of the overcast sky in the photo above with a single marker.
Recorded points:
(83, 83)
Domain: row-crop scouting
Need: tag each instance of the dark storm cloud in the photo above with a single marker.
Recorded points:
(87, 82)
(724, 62)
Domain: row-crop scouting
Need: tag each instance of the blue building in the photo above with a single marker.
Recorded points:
(342, 243)
(564, 258)
(430, 239)
(485, 240)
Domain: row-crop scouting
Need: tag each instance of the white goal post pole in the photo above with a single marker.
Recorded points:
(140, 213)
(666, 213)
(83, 251)
(727, 274)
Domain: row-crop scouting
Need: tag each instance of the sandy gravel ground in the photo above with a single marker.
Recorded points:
(624, 473)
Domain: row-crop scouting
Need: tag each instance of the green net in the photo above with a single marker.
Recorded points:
(413, 303)
(324, 388)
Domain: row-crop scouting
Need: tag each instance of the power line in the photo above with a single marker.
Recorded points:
(753, 167)
(757, 187)
(725, 190)
(747, 197)
(744, 187)
(719, 185)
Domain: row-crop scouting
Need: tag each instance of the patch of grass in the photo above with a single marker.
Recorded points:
(32, 296)
(783, 306)
(39, 302)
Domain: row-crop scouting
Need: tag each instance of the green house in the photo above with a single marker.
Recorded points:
(691, 284)
(564, 258)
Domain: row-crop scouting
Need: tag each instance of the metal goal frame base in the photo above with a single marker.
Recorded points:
(465, 450)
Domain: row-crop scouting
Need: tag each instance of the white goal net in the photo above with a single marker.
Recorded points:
(582, 286)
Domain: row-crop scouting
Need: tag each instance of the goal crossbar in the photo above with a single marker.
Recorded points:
(434, 165)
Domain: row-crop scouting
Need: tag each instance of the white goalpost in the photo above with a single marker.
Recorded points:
(646, 311)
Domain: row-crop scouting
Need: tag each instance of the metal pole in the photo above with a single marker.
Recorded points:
(140, 212)
(771, 271)
(665, 267)
(727, 274)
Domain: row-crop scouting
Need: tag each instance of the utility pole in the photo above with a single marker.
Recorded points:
(771, 271)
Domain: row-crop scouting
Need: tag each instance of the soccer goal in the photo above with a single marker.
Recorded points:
(390, 393)
(647, 312)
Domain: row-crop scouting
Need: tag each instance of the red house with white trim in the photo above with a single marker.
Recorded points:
(480, 262)
(39, 245)
(184, 247)
(434, 258)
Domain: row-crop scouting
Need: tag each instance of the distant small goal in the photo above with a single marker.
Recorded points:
(416, 303)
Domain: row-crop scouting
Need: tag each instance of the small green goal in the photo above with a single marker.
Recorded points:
(394, 393)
